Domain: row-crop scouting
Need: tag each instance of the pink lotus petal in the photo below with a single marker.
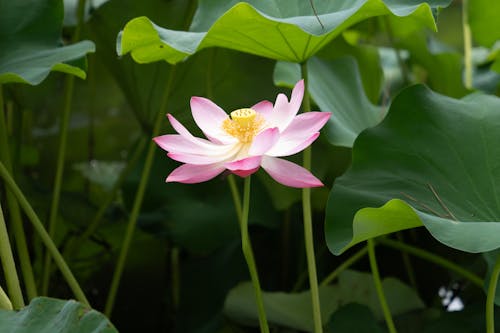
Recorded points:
(264, 141)
(180, 128)
(287, 147)
(200, 159)
(245, 173)
(245, 166)
(288, 173)
(297, 95)
(281, 110)
(285, 111)
(305, 124)
(264, 108)
(164, 141)
(190, 174)
(301, 133)
(209, 117)
(175, 143)
(246, 163)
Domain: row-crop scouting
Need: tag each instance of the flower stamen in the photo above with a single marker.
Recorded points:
(244, 124)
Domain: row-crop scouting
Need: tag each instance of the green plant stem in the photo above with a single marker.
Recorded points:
(346, 264)
(91, 228)
(397, 51)
(40, 229)
(467, 44)
(120, 265)
(21, 246)
(407, 263)
(54, 208)
(432, 258)
(308, 229)
(490, 297)
(15, 213)
(63, 130)
(91, 72)
(5, 303)
(80, 14)
(236, 196)
(378, 286)
(246, 246)
(9, 267)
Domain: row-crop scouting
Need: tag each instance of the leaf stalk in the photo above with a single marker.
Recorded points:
(307, 216)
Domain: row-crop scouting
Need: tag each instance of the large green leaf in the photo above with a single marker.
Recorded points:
(50, 315)
(285, 309)
(30, 40)
(294, 310)
(279, 29)
(433, 161)
(336, 87)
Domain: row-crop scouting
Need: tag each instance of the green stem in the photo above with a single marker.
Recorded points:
(346, 264)
(91, 228)
(9, 267)
(490, 298)
(248, 254)
(432, 258)
(15, 213)
(40, 229)
(80, 14)
(308, 229)
(5, 302)
(21, 246)
(63, 130)
(397, 51)
(236, 196)
(467, 44)
(378, 287)
(91, 72)
(120, 265)
(54, 208)
(407, 264)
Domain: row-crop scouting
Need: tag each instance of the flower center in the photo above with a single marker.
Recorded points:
(243, 125)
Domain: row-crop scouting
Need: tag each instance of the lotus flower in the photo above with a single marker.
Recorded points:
(245, 141)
